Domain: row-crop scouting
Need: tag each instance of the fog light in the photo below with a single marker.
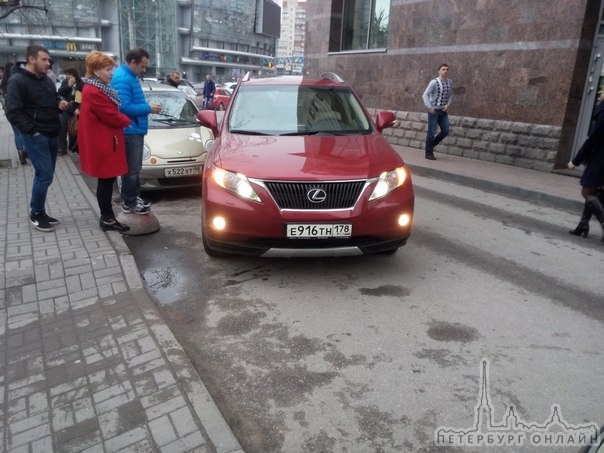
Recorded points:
(219, 223)
(404, 220)
(153, 160)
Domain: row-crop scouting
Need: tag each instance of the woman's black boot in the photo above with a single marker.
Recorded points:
(582, 228)
(598, 210)
(113, 225)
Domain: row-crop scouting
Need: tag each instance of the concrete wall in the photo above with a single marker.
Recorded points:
(518, 68)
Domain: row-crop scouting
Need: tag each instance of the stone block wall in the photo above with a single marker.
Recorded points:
(523, 145)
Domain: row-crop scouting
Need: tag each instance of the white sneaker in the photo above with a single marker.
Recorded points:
(145, 203)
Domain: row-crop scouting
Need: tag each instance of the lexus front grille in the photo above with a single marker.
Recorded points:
(315, 195)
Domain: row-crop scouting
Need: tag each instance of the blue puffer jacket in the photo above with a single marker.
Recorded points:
(133, 100)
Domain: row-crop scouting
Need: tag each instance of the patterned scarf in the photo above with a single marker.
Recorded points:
(96, 82)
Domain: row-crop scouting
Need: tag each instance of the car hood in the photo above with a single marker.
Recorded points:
(306, 157)
(177, 142)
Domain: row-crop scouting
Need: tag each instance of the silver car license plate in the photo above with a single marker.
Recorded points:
(182, 171)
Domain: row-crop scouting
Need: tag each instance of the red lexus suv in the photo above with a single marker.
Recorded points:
(299, 168)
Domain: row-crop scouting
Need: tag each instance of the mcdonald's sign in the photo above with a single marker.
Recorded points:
(71, 47)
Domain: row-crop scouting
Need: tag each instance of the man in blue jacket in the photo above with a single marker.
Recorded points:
(126, 82)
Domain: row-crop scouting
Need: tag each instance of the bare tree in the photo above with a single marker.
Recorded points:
(12, 9)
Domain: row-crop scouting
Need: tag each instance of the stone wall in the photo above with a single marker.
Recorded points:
(524, 145)
(519, 70)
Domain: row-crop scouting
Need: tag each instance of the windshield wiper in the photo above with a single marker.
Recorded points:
(247, 132)
(337, 133)
(171, 119)
(293, 134)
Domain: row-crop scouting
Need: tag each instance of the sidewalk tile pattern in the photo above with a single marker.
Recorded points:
(87, 363)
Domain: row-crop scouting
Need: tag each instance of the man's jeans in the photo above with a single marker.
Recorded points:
(19, 143)
(42, 152)
(209, 103)
(440, 118)
(134, 157)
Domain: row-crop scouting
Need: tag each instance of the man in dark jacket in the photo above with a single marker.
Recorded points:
(173, 79)
(33, 106)
(209, 88)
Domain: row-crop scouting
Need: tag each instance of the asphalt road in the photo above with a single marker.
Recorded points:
(374, 354)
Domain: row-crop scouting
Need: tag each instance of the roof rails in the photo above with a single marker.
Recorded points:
(332, 76)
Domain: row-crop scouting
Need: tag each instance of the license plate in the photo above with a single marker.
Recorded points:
(318, 230)
(182, 171)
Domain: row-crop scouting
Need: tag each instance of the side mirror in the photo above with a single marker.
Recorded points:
(207, 118)
(385, 120)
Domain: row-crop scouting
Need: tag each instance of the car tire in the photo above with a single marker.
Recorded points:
(389, 252)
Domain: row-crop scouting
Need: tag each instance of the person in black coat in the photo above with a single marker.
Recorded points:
(9, 70)
(592, 154)
(71, 91)
(173, 79)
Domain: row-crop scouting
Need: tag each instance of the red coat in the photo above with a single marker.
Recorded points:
(101, 135)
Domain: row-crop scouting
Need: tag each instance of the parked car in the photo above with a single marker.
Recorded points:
(221, 98)
(230, 86)
(198, 87)
(192, 95)
(187, 83)
(299, 168)
(176, 145)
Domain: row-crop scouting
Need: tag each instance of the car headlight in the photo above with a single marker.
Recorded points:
(209, 144)
(146, 152)
(388, 181)
(236, 183)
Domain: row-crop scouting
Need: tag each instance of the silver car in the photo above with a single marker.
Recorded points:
(176, 145)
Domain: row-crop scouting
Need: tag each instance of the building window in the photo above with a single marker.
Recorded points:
(359, 25)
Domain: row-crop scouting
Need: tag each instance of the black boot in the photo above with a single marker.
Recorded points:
(111, 224)
(598, 210)
(582, 228)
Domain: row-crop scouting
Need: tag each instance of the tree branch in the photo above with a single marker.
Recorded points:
(15, 8)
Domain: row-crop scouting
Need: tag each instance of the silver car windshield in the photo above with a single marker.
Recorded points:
(297, 110)
(177, 109)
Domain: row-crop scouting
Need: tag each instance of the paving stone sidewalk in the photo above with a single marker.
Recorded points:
(87, 361)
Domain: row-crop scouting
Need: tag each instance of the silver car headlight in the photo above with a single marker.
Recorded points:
(209, 144)
(388, 181)
(146, 152)
(236, 183)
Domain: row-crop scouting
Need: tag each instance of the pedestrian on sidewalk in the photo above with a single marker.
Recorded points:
(71, 91)
(592, 153)
(437, 99)
(133, 103)
(101, 135)
(33, 107)
(9, 70)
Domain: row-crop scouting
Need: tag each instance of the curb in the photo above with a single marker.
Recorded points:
(495, 187)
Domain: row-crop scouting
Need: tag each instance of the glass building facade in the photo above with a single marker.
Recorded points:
(196, 37)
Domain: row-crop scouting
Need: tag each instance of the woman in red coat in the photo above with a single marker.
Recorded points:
(101, 135)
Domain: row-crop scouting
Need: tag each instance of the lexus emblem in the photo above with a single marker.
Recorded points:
(316, 195)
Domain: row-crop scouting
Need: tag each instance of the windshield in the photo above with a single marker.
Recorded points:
(297, 110)
(177, 109)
